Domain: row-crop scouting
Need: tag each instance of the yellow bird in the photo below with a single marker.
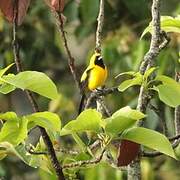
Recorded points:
(94, 76)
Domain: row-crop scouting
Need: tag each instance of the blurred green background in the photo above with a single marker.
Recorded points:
(42, 50)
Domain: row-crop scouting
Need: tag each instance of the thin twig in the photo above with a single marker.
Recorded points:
(165, 41)
(71, 60)
(100, 23)
(174, 137)
(160, 113)
(106, 111)
(103, 92)
(177, 111)
(65, 151)
(31, 150)
(32, 101)
(153, 52)
(82, 163)
(96, 144)
(156, 40)
(163, 118)
(15, 41)
(100, 20)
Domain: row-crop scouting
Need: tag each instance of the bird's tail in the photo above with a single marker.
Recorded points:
(128, 151)
(81, 105)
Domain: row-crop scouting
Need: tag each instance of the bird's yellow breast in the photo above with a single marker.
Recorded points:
(96, 73)
(97, 77)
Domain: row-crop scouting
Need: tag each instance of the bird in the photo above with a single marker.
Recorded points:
(93, 77)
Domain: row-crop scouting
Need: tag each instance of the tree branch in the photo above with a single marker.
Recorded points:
(100, 23)
(30, 150)
(65, 151)
(32, 101)
(71, 61)
(150, 56)
(100, 20)
(174, 137)
(103, 92)
(177, 111)
(102, 104)
(160, 113)
(155, 47)
(155, 39)
(81, 163)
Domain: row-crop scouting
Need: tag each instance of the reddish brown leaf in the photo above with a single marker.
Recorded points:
(128, 151)
(6, 7)
(57, 5)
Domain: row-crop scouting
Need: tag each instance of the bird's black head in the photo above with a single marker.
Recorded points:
(99, 61)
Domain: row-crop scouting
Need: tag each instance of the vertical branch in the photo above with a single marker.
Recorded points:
(155, 39)
(162, 118)
(30, 97)
(15, 41)
(134, 168)
(100, 20)
(71, 61)
(100, 23)
(177, 112)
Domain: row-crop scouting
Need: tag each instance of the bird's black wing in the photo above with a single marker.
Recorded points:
(84, 85)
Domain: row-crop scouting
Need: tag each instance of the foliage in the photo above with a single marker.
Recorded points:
(168, 24)
(42, 51)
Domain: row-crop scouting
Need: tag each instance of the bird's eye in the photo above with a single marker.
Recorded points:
(100, 58)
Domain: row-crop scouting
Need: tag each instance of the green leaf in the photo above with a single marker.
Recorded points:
(79, 142)
(131, 73)
(137, 80)
(168, 24)
(166, 80)
(41, 161)
(168, 91)
(122, 119)
(116, 125)
(19, 151)
(149, 72)
(88, 120)
(3, 154)
(3, 71)
(14, 131)
(168, 94)
(149, 138)
(34, 81)
(6, 88)
(47, 120)
(129, 113)
(9, 116)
